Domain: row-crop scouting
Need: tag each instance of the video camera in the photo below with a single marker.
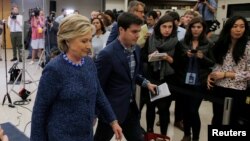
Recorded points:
(34, 12)
(13, 15)
(51, 17)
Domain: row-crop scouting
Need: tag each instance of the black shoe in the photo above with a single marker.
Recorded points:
(186, 138)
(14, 59)
(29, 57)
(1, 59)
(20, 60)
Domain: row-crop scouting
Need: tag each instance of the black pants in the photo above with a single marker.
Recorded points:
(178, 109)
(163, 106)
(239, 108)
(131, 128)
(191, 117)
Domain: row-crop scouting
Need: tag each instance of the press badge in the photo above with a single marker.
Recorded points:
(190, 78)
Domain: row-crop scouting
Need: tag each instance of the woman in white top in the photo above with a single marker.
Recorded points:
(100, 37)
(232, 70)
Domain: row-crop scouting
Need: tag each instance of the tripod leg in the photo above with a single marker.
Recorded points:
(41, 59)
(31, 78)
(4, 100)
(9, 100)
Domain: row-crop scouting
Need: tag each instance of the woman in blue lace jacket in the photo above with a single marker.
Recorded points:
(69, 92)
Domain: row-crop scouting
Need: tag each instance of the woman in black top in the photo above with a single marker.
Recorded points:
(193, 60)
(163, 40)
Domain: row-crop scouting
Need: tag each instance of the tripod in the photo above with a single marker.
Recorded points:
(23, 70)
(23, 93)
(7, 95)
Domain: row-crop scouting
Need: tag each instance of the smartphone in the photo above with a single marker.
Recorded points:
(156, 93)
(193, 51)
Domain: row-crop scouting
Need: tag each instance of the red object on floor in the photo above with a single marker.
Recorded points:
(155, 137)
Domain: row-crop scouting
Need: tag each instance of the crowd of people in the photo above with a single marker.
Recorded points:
(101, 59)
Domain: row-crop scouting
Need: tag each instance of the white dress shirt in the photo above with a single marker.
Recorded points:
(16, 25)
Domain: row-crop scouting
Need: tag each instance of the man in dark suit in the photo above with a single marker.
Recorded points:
(118, 67)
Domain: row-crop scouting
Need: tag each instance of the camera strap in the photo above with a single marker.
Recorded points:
(203, 10)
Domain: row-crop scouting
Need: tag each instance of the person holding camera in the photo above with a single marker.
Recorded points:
(50, 35)
(37, 37)
(15, 24)
(207, 9)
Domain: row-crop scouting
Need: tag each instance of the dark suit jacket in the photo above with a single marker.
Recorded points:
(114, 75)
(113, 34)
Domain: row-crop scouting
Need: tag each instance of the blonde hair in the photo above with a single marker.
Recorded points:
(192, 12)
(72, 26)
(133, 6)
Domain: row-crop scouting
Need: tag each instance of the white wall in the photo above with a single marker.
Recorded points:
(222, 13)
(84, 6)
(116, 4)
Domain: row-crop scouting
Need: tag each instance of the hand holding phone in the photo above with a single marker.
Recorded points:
(193, 51)
(154, 94)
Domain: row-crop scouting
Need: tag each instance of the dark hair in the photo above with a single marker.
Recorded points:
(153, 14)
(175, 15)
(111, 14)
(222, 45)
(36, 12)
(105, 19)
(168, 11)
(76, 11)
(125, 20)
(102, 25)
(189, 36)
(162, 20)
(159, 12)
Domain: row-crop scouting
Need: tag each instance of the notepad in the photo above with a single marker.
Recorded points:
(162, 91)
(156, 57)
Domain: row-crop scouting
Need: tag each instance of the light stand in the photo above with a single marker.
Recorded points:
(42, 59)
(23, 93)
(7, 95)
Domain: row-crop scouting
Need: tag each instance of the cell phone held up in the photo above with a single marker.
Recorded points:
(193, 51)
(156, 92)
